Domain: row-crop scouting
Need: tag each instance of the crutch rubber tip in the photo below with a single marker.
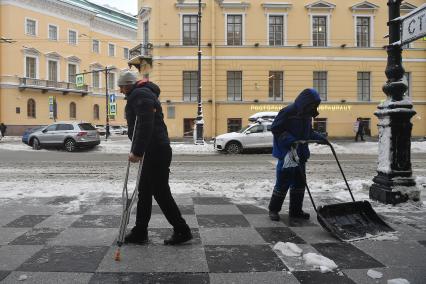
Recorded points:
(117, 255)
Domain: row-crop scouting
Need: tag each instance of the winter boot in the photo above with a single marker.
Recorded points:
(137, 236)
(276, 204)
(296, 202)
(179, 236)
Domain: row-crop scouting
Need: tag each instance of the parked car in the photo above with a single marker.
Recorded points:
(28, 131)
(255, 136)
(266, 115)
(70, 135)
(101, 129)
(118, 129)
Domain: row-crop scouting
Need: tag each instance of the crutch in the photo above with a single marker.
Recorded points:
(127, 202)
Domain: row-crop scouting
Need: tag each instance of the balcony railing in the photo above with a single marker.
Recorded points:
(141, 50)
(46, 85)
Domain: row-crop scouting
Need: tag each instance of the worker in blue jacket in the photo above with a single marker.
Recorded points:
(293, 123)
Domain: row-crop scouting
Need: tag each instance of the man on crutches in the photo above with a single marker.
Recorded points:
(152, 145)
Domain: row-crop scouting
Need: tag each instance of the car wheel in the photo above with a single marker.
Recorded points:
(69, 145)
(233, 148)
(36, 144)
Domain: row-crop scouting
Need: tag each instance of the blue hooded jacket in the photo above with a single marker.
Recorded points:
(294, 122)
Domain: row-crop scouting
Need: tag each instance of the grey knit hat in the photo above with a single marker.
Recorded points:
(127, 77)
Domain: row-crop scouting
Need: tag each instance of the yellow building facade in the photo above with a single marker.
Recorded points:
(44, 45)
(259, 55)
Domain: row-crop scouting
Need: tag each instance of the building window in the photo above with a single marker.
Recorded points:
(171, 112)
(235, 85)
(95, 46)
(72, 37)
(111, 49)
(320, 125)
(126, 53)
(95, 80)
(276, 85)
(30, 67)
(363, 31)
(319, 31)
(320, 83)
(73, 110)
(234, 124)
(30, 27)
(72, 71)
(190, 29)
(408, 78)
(234, 31)
(276, 30)
(190, 86)
(364, 86)
(111, 81)
(31, 108)
(188, 127)
(53, 32)
(96, 112)
(52, 70)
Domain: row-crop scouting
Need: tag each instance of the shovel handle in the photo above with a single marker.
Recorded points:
(326, 142)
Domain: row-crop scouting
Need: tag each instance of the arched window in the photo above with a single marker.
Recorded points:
(73, 110)
(96, 112)
(31, 108)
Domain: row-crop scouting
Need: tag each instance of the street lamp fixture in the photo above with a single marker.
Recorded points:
(199, 121)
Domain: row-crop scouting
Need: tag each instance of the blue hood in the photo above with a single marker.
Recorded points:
(304, 99)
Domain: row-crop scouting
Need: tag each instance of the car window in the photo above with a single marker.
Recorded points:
(268, 127)
(65, 127)
(86, 126)
(257, 129)
(116, 127)
(51, 127)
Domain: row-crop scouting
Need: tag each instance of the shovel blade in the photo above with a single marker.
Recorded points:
(351, 220)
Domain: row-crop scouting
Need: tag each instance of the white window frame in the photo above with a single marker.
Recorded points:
(115, 49)
(76, 37)
(328, 16)
(181, 26)
(25, 26)
(58, 68)
(114, 87)
(128, 53)
(371, 29)
(285, 15)
(99, 46)
(57, 32)
(100, 79)
(371, 86)
(77, 70)
(243, 20)
(37, 75)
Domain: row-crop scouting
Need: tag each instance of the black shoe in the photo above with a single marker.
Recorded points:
(300, 215)
(179, 237)
(274, 216)
(137, 236)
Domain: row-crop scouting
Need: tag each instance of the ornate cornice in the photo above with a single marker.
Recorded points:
(73, 59)
(276, 5)
(53, 55)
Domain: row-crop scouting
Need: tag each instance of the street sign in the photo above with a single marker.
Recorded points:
(79, 80)
(413, 25)
(51, 107)
(112, 98)
(112, 110)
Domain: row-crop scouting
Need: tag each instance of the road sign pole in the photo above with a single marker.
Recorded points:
(394, 174)
(107, 102)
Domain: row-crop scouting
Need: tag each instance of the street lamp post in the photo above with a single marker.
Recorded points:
(199, 122)
(107, 103)
(394, 174)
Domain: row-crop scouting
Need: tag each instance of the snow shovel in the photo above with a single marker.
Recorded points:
(348, 221)
(127, 201)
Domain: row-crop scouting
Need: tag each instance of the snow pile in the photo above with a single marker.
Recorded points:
(288, 249)
(398, 281)
(318, 261)
(23, 277)
(365, 148)
(374, 274)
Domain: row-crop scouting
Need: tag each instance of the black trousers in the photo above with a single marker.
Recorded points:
(155, 182)
(359, 134)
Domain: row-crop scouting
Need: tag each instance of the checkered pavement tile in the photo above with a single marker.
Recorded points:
(61, 238)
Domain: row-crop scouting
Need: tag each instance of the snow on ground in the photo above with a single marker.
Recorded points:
(288, 249)
(367, 148)
(318, 261)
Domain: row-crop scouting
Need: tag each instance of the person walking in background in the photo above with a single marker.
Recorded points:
(359, 129)
(152, 145)
(293, 124)
(3, 129)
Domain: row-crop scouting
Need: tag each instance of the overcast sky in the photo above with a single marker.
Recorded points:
(130, 6)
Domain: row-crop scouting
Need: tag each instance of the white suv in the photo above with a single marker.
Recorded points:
(257, 135)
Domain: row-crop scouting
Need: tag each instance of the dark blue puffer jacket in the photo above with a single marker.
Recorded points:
(294, 122)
